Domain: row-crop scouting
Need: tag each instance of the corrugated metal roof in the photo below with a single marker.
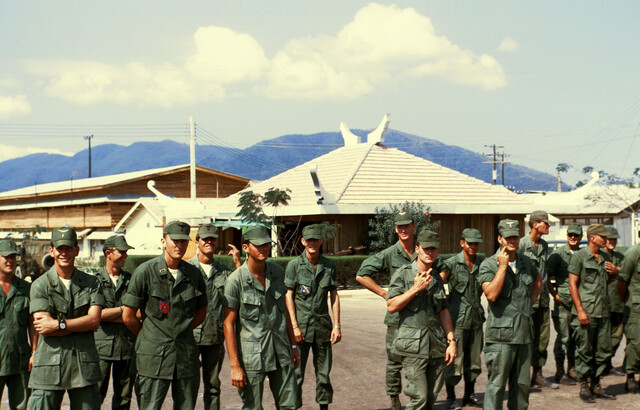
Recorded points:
(592, 199)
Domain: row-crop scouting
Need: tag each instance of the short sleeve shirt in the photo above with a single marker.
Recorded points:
(464, 292)
(617, 305)
(14, 325)
(558, 267)
(592, 282)
(630, 273)
(538, 256)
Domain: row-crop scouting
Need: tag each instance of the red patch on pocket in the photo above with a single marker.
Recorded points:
(165, 306)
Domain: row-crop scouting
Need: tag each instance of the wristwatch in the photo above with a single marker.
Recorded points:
(62, 324)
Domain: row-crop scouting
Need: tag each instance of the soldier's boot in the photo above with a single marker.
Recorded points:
(597, 391)
(324, 407)
(469, 397)
(559, 371)
(451, 397)
(395, 403)
(538, 380)
(631, 385)
(571, 373)
(585, 393)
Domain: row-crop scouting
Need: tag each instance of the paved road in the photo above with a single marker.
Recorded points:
(359, 361)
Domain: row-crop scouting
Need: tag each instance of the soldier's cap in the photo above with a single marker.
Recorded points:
(257, 235)
(613, 233)
(403, 218)
(508, 228)
(177, 230)
(8, 247)
(472, 235)
(539, 216)
(118, 242)
(597, 229)
(574, 228)
(428, 239)
(207, 231)
(64, 237)
(312, 232)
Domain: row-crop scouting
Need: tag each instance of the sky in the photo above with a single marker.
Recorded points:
(552, 82)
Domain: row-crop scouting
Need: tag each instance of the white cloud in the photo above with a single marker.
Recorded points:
(10, 151)
(13, 106)
(508, 44)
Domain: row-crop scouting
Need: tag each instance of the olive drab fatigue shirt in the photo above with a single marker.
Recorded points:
(388, 260)
(509, 320)
(210, 332)
(592, 285)
(419, 333)
(71, 361)
(165, 342)
(14, 325)
(114, 341)
(310, 289)
(464, 292)
(630, 273)
(558, 267)
(538, 255)
(261, 326)
(617, 305)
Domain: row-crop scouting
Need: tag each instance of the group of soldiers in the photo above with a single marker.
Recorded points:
(72, 332)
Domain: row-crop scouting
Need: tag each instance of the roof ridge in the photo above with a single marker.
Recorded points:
(354, 171)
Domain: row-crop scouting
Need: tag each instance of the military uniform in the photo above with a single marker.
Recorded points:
(420, 340)
(388, 261)
(209, 335)
(617, 306)
(263, 344)
(67, 362)
(15, 350)
(115, 344)
(630, 273)
(311, 286)
(166, 351)
(509, 333)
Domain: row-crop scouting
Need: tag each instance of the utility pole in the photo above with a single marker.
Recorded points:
(495, 161)
(192, 156)
(89, 138)
(503, 163)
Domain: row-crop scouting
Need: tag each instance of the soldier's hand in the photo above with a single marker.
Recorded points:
(295, 356)
(422, 280)
(583, 318)
(31, 359)
(451, 353)
(558, 299)
(611, 268)
(45, 325)
(297, 333)
(235, 253)
(503, 257)
(238, 378)
(336, 335)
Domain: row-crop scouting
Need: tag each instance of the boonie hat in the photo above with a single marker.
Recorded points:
(8, 247)
(539, 216)
(177, 230)
(574, 228)
(403, 218)
(257, 235)
(312, 232)
(118, 242)
(613, 233)
(64, 236)
(428, 239)
(597, 229)
(472, 235)
(208, 231)
(509, 227)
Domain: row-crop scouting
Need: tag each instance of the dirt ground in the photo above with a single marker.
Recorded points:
(358, 370)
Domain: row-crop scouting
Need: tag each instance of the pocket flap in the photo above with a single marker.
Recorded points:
(250, 299)
(46, 359)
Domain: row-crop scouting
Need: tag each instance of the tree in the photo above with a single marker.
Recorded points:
(382, 232)
(562, 167)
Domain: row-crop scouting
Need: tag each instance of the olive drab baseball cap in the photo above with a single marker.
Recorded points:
(8, 247)
(540, 216)
(312, 232)
(177, 230)
(403, 218)
(208, 231)
(64, 236)
(597, 229)
(118, 242)
(472, 235)
(508, 228)
(574, 228)
(428, 239)
(613, 233)
(257, 235)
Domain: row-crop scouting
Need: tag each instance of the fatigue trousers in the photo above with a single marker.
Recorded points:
(212, 358)
(82, 398)
(151, 392)
(282, 383)
(540, 342)
(593, 346)
(322, 359)
(394, 365)
(467, 362)
(617, 330)
(423, 381)
(123, 379)
(632, 351)
(564, 345)
(507, 363)
(17, 388)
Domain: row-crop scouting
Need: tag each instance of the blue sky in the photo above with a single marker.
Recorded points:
(550, 81)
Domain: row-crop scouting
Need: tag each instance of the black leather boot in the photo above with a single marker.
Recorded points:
(559, 371)
(451, 397)
(469, 397)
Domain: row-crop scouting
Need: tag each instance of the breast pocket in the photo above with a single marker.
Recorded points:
(251, 306)
(590, 275)
(460, 284)
(158, 301)
(82, 303)
(527, 280)
(188, 299)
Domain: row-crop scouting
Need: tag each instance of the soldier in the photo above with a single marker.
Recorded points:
(511, 283)
(172, 298)
(388, 261)
(535, 247)
(113, 340)
(309, 279)
(617, 305)
(558, 270)
(209, 335)
(467, 314)
(591, 313)
(257, 329)
(66, 304)
(629, 290)
(425, 338)
(16, 329)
